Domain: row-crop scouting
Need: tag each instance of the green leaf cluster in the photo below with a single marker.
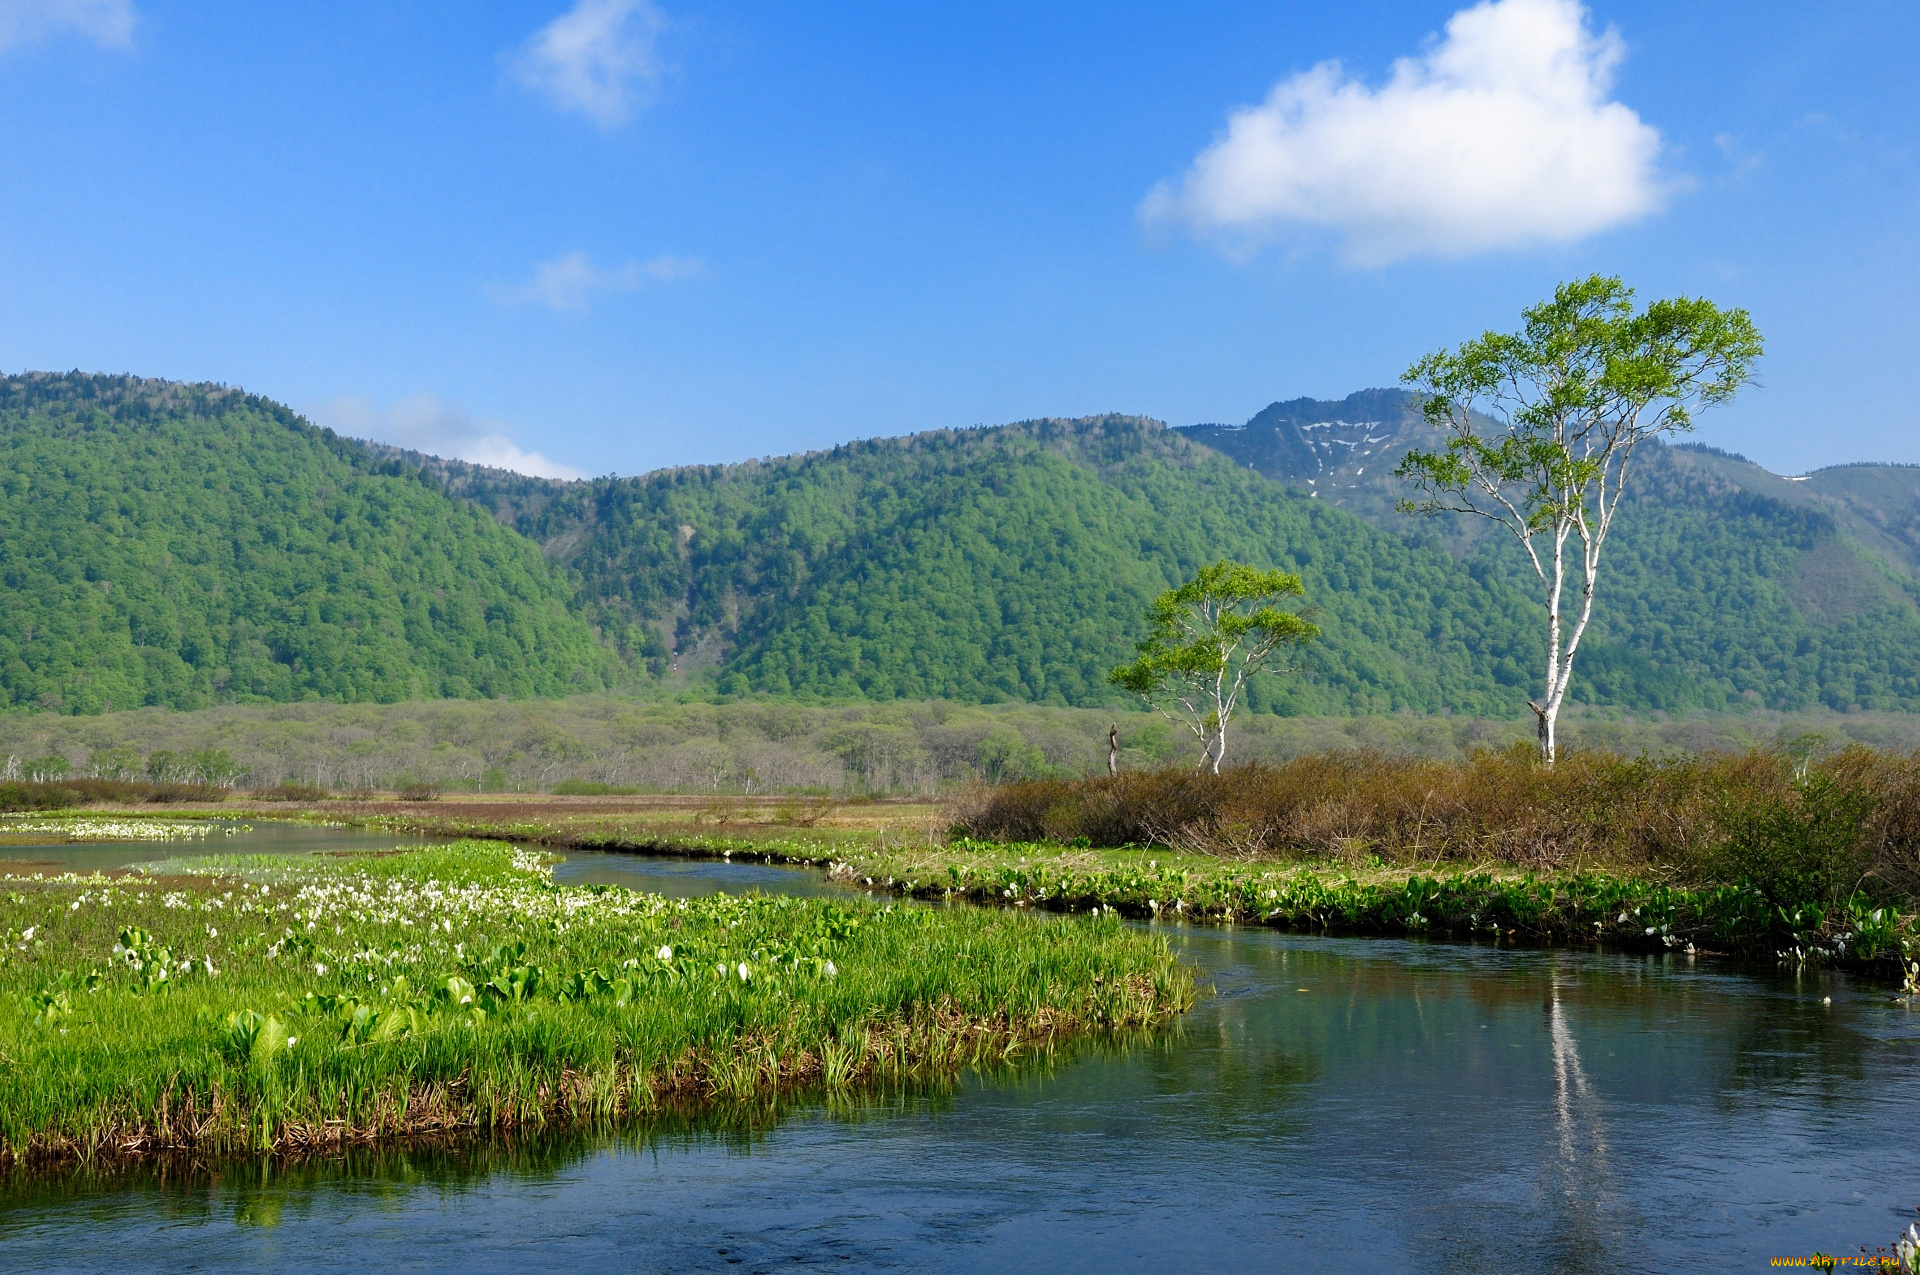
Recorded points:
(1193, 630)
(1207, 637)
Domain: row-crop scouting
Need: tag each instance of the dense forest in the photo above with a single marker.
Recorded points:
(185, 545)
(1015, 562)
(180, 546)
(1010, 564)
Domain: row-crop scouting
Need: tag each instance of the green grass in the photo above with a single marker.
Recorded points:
(279, 1002)
(1643, 906)
(1482, 901)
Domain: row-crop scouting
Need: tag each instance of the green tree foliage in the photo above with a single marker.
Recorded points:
(1204, 641)
(185, 545)
(1541, 427)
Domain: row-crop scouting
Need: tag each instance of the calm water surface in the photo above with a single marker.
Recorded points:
(223, 837)
(1335, 1105)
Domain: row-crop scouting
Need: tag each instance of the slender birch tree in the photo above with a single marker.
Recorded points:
(1541, 427)
(1205, 639)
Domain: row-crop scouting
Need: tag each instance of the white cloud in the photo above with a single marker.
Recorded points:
(424, 423)
(1500, 135)
(569, 283)
(671, 269)
(600, 58)
(108, 22)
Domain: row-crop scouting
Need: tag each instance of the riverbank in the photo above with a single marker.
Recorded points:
(1639, 909)
(1258, 1126)
(902, 846)
(271, 1003)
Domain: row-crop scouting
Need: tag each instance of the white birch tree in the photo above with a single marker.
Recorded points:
(1569, 397)
(1205, 639)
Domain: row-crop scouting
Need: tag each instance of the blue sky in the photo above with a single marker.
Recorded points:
(606, 236)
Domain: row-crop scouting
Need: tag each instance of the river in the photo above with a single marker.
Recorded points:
(1334, 1104)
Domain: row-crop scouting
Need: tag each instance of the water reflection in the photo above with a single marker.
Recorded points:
(690, 878)
(25, 854)
(1333, 1104)
(1582, 1169)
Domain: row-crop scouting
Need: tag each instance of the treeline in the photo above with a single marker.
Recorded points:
(753, 745)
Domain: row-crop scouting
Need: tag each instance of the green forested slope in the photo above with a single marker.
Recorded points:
(1015, 563)
(1724, 584)
(1018, 564)
(1715, 596)
(182, 545)
(185, 545)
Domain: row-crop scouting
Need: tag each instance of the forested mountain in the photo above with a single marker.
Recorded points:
(181, 545)
(1341, 451)
(186, 544)
(1015, 562)
(1344, 451)
(1723, 582)
(1007, 563)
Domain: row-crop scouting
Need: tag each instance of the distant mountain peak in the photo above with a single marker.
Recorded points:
(1344, 451)
(1340, 450)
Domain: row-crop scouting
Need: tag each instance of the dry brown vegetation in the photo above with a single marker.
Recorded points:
(87, 791)
(1851, 819)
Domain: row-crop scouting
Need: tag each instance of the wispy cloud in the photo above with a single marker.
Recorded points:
(571, 282)
(1501, 134)
(424, 423)
(600, 58)
(107, 22)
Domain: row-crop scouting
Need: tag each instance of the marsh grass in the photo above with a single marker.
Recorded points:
(1696, 818)
(1487, 901)
(275, 1002)
(1759, 854)
(258, 1188)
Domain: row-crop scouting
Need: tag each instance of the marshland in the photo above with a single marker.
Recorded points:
(1000, 1072)
(1801, 849)
(720, 983)
(266, 1003)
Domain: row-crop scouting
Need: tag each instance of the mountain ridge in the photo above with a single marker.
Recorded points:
(1878, 504)
(1710, 602)
(182, 545)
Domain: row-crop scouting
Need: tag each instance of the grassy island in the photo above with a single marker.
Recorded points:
(278, 1002)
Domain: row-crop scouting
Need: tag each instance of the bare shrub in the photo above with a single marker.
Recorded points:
(1592, 809)
(290, 792)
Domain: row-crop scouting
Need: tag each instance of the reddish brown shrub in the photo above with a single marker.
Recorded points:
(1590, 809)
